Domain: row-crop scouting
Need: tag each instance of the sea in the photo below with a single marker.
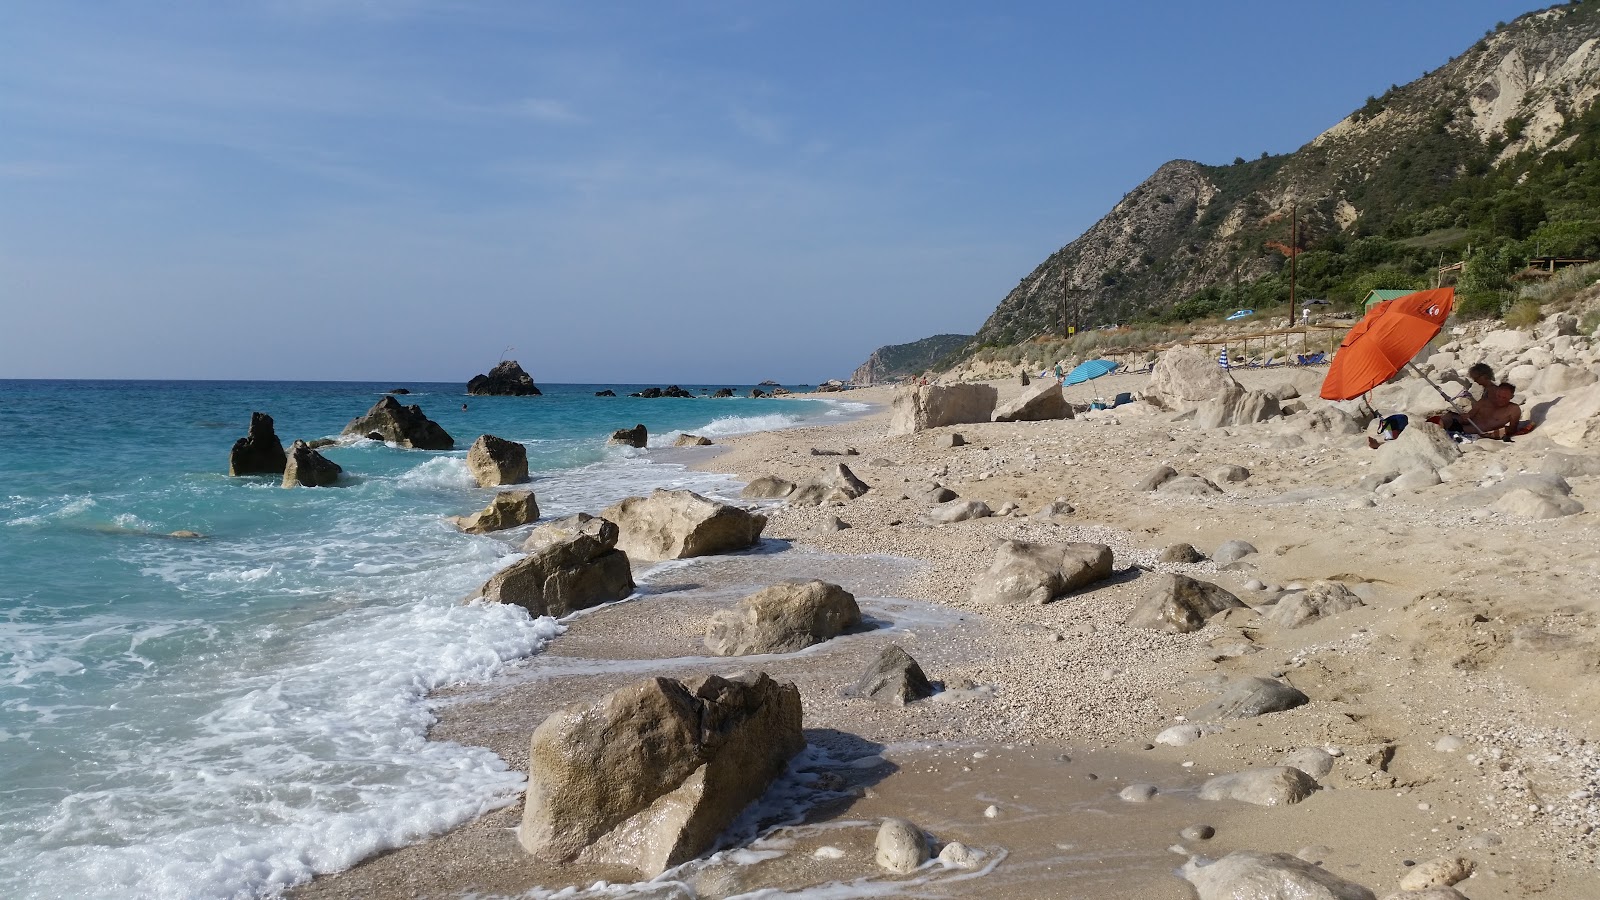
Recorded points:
(227, 715)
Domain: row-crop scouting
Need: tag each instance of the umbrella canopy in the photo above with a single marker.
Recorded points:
(1089, 370)
(1385, 340)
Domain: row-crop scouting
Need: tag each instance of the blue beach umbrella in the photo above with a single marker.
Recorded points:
(1089, 370)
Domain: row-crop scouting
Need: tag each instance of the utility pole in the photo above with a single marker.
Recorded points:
(1294, 254)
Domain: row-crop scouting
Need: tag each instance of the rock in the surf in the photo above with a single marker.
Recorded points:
(1178, 604)
(783, 618)
(894, 677)
(406, 426)
(259, 452)
(1248, 875)
(637, 437)
(1024, 572)
(681, 524)
(506, 379)
(308, 468)
(508, 509)
(495, 461)
(900, 847)
(920, 407)
(691, 440)
(573, 565)
(648, 776)
(838, 485)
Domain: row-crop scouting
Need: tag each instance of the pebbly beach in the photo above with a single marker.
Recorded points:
(1386, 685)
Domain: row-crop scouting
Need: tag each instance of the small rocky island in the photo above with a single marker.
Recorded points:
(507, 379)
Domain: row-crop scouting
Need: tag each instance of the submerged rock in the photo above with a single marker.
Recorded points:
(783, 618)
(259, 452)
(691, 440)
(406, 426)
(648, 776)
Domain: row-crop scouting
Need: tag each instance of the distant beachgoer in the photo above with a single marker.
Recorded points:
(463, 407)
(1389, 428)
(1060, 378)
(1481, 375)
(1501, 418)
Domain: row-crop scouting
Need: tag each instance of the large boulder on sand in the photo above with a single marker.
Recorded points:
(573, 565)
(1178, 604)
(506, 379)
(681, 524)
(894, 677)
(259, 452)
(648, 776)
(1248, 875)
(1236, 406)
(783, 618)
(1185, 376)
(1038, 403)
(1264, 786)
(920, 407)
(508, 509)
(494, 461)
(1423, 445)
(1039, 573)
(1249, 697)
(1307, 605)
(839, 484)
(1574, 420)
(308, 468)
(768, 487)
(406, 426)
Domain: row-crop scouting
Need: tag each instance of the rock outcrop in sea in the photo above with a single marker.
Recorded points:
(506, 379)
(406, 426)
(572, 564)
(495, 461)
(308, 468)
(259, 452)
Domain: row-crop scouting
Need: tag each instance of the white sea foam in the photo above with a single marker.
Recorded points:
(446, 472)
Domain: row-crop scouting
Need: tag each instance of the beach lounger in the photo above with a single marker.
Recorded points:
(1313, 359)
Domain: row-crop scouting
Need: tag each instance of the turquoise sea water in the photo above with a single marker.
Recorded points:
(225, 716)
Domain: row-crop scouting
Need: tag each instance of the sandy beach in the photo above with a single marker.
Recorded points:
(1456, 705)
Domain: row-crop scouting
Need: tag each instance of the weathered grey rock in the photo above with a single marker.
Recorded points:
(1411, 482)
(681, 524)
(1137, 793)
(768, 487)
(920, 407)
(1188, 486)
(1319, 600)
(1267, 786)
(1161, 475)
(1526, 504)
(506, 379)
(573, 565)
(894, 677)
(1178, 604)
(957, 855)
(691, 440)
(406, 426)
(1557, 379)
(1574, 420)
(1181, 553)
(1056, 507)
(837, 485)
(1197, 833)
(901, 846)
(1229, 474)
(1232, 551)
(1423, 445)
(1185, 376)
(308, 468)
(953, 511)
(495, 461)
(1248, 875)
(259, 452)
(1441, 871)
(1179, 735)
(934, 494)
(648, 776)
(1249, 697)
(637, 437)
(783, 618)
(1330, 420)
(1375, 480)
(832, 524)
(1236, 406)
(1039, 573)
(1569, 465)
(1555, 325)
(508, 509)
(1284, 390)
(1039, 403)
(1313, 761)
(948, 441)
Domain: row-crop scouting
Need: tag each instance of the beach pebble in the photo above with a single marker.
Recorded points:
(1180, 553)
(901, 846)
(1138, 793)
(1449, 744)
(1179, 735)
(1198, 833)
(957, 855)
(1441, 871)
(991, 811)
(1255, 584)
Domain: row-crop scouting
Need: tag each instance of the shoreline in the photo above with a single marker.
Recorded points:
(1068, 677)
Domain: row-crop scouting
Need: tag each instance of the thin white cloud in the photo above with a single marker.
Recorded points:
(545, 109)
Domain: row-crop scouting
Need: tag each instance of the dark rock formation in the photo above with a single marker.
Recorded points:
(259, 452)
(403, 425)
(721, 393)
(308, 468)
(605, 393)
(637, 436)
(504, 380)
(894, 677)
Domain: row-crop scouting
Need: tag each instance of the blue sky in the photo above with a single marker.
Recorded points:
(648, 192)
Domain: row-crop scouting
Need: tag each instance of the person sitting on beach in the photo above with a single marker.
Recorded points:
(1481, 375)
(1500, 418)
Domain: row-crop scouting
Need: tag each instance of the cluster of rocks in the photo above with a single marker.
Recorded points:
(506, 379)
(655, 393)
(260, 452)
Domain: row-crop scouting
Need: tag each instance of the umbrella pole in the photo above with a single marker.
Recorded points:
(1447, 398)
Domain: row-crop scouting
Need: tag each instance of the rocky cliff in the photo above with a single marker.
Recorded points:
(903, 360)
(1393, 167)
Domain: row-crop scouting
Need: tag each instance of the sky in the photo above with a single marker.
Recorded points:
(644, 192)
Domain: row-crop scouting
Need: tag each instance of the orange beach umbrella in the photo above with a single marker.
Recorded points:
(1385, 340)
